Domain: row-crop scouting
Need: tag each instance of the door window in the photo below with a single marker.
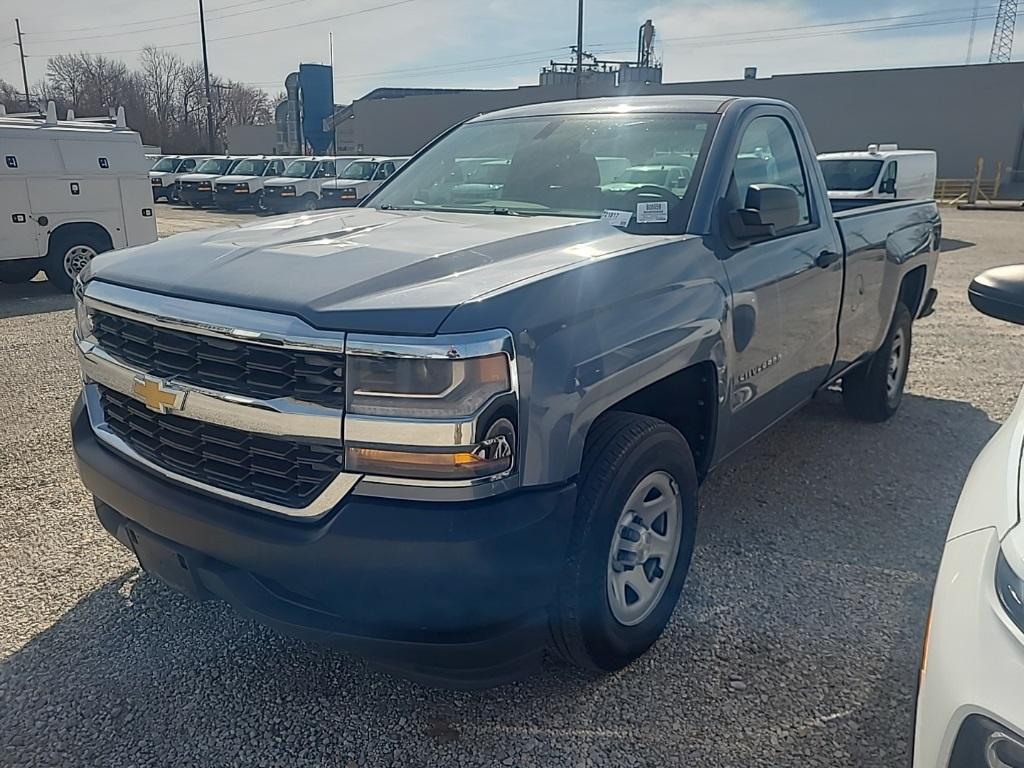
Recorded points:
(385, 170)
(326, 169)
(768, 155)
(188, 165)
(888, 185)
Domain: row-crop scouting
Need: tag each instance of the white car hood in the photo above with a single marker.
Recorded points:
(991, 497)
(346, 184)
(160, 174)
(282, 181)
(198, 177)
(237, 179)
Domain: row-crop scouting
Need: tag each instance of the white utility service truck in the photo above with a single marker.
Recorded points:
(68, 191)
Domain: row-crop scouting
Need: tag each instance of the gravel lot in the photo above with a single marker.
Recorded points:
(796, 642)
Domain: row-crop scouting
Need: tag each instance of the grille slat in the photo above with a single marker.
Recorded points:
(235, 367)
(263, 468)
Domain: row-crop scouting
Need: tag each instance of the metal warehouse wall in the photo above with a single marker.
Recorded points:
(961, 111)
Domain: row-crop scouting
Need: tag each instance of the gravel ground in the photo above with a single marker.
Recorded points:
(796, 642)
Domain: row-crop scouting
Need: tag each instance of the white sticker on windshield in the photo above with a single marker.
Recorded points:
(652, 213)
(617, 218)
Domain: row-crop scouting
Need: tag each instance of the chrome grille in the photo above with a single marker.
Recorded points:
(284, 472)
(222, 364)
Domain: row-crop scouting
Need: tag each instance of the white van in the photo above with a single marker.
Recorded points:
(164, 174)
(884, 171)
(243, 187)
(361, 177)
(68, 191)
(196, 189)
(298, 188)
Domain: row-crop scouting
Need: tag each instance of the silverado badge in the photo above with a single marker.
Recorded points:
(158, 396)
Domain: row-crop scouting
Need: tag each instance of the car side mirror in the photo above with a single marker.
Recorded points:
(999, 293)
(887, 187)
(769, 208)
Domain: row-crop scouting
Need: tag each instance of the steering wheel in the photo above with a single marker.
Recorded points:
(643, 194)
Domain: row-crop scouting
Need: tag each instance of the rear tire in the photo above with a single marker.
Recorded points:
(632, 464)
(19, 270)
(874, 391)
(69, 253)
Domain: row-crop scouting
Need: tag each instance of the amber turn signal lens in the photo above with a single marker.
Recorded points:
(461, 465)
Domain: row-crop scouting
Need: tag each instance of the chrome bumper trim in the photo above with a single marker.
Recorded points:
(390, 431)
(280, 417)
(325, 502)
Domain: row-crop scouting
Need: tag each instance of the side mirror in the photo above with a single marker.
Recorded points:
(887, 187)
(999, 293)
(769, 208)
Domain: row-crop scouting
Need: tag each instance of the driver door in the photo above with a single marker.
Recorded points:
(786, 288)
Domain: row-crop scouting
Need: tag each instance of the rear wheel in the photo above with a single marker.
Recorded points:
(70, 252)
(632, 542)
(19, 270)
(874, 391)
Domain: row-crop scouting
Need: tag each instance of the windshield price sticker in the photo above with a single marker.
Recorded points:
(652, 213)
(617, 218)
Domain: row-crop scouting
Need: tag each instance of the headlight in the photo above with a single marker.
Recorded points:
(204, 186)
(434, 412)
(349, 192)
(1010, 588)
(242, 188)
(287, 191)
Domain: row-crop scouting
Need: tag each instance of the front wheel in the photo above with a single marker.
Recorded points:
(631, 545)
(69, 253)
(874, 391)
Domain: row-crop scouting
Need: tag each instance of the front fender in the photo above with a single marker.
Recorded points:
(591, 335)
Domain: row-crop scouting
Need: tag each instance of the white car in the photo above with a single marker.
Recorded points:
(243, 187)
(299, 187)
(164, 175)
(358, 179)
(196, 189)
(970, 707)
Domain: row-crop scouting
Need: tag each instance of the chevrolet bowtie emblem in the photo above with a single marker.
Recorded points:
(158, 396)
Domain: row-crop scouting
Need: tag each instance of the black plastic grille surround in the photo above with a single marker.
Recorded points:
(224, 365)
(268, 469)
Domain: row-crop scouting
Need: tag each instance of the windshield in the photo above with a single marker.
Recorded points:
(301, 169)
(360, 170)
(850, 175)
(167, 164)
(250, 168)
(217, 165)
(549, 166)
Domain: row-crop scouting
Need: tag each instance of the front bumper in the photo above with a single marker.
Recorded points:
(452, 594)
(160, 191)
(280, 204)
(235, 201)
(975, 656)
(329, 201)
(195, 196)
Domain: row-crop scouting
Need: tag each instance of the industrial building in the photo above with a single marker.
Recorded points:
(962, 112)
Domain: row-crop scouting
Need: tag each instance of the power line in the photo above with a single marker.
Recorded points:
(255, 33)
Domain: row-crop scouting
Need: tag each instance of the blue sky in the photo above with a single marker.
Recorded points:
(499, 43)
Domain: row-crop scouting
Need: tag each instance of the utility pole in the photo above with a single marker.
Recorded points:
(206, 74)
(24, 72)
(579, 49)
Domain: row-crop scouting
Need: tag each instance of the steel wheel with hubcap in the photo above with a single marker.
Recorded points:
(896, 372)
(631, 542)
(644, 547)
(77, 258)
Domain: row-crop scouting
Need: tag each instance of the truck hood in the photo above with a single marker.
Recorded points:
(237, 179)
(284, 181)
(199, 177)
(363, 270)
(160, 174)
(346, 184)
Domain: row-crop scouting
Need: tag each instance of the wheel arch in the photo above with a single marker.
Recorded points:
(78, 228)
(912, 285)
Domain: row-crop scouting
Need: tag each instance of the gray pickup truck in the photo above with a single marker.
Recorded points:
(449, 433)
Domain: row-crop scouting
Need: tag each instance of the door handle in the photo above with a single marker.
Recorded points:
(826, 259)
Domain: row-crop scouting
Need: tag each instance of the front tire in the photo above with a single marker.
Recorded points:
(69, 253)
(309, 203)
(874, 391)
(631, 544)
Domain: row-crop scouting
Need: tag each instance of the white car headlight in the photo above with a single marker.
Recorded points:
(464, 388)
